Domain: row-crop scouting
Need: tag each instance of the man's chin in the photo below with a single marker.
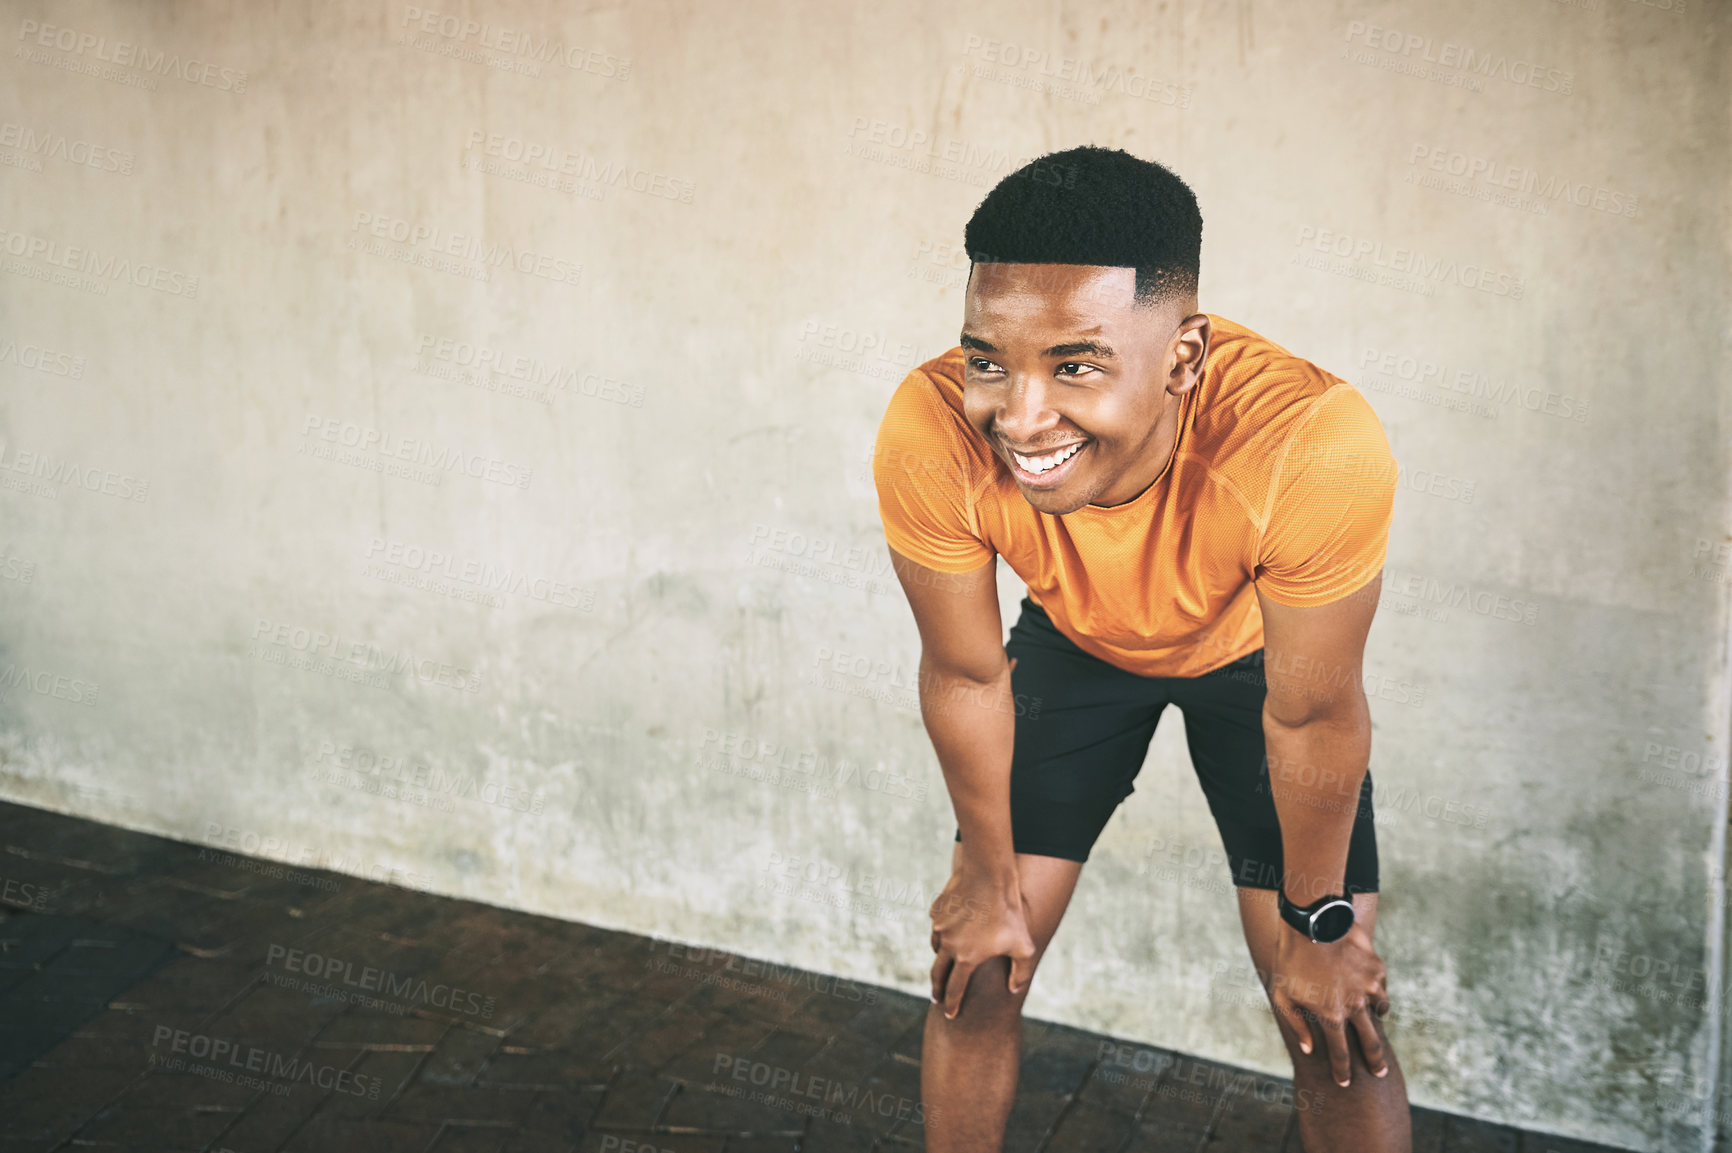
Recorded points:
(1056, 502)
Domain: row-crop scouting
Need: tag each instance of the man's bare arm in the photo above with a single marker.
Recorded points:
(1317, 729)
(965, 700)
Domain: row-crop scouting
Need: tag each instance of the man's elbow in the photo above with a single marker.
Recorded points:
(977, 671)
(1344, 707)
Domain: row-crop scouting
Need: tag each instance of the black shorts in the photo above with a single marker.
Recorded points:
(1085, 734)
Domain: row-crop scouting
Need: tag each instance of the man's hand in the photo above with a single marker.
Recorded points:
(1339, 984)
(976, 918)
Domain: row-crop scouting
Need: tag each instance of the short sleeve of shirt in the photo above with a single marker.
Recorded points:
(1331, 505)
(925, 479)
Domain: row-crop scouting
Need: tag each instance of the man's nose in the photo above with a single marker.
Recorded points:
(1026, 413)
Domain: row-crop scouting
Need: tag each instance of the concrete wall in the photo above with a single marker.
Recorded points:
(640, 637)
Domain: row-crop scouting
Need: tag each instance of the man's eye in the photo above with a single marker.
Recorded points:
(981, 365)
(1073, 364)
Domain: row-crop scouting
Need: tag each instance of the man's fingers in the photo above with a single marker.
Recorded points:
(1021, 973)
(940, 970)
(1288, 1012)
(1370, 1043)
(1340, 1066)
(957, 985)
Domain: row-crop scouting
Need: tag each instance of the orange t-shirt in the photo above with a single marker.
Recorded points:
(1281, 479)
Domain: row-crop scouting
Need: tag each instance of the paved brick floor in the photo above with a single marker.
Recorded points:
(157, 996)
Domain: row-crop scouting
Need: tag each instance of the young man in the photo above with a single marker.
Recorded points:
(1201, 519)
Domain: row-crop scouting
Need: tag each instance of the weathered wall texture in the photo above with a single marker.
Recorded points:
(431, 457)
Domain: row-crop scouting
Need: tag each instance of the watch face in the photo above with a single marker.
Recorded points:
(1332, 922)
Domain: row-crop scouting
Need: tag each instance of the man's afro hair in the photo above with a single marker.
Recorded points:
(1091, 205)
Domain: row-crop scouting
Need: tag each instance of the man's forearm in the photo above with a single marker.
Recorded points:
(1315, 773)
(973, 730)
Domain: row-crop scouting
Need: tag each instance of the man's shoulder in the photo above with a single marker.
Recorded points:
(1255, 393)
(925, 417)
(931, 394)
(944, 371)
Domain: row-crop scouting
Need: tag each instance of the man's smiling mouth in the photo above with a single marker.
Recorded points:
(1045, 467)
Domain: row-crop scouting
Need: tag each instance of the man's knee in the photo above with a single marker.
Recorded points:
(988, 996)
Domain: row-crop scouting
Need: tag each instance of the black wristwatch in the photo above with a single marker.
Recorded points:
(1324, 920)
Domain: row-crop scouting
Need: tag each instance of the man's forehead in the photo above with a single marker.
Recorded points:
(1095, 281)
(1047, 303)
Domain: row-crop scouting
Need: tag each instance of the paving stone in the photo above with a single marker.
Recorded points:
(378, 1079)
(1464, 1135)
(185, 1092)
(589, 1041)
(826, 1136)
(676, 1031)
(327, 1133)
(638, 1097)
(555, 1121)
(426, 1102)
(609, 1141)
(43, 1103)
(456, 1138)
(127, 1125)
(270, 1120)
(1429, 1129)
(458, 1058)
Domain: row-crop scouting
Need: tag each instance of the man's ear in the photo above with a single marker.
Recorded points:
(1190, 353)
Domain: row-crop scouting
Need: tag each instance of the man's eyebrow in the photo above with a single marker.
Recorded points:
(1073, 348)
(1082, 348)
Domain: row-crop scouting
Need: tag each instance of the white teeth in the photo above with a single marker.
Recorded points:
(1049, 462)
